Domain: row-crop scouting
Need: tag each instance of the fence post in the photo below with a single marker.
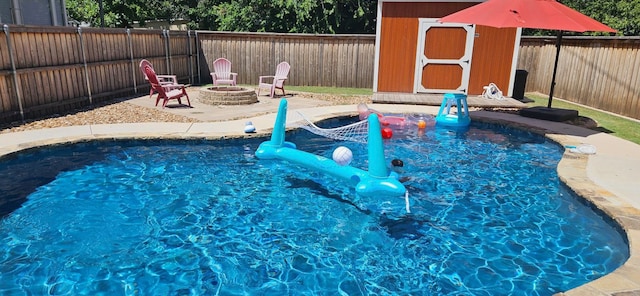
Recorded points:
(167, 54)
(320, 77)
(357, 82)
(190, 67)
(198, 56)
(133, 64)
(14, 74)
(84, 62)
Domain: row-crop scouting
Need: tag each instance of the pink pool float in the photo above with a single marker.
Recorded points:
(397, 120)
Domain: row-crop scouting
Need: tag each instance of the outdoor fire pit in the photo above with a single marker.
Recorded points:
(227, 95)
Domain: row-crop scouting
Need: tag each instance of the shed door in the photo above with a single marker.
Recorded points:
(444, 57)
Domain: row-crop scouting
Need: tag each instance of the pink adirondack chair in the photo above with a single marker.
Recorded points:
(173, 92)
(276, 81)
(222, 72)
(171, 81)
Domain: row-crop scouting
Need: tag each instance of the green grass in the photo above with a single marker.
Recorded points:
(344, 91)
(612, 124)
(333, 90)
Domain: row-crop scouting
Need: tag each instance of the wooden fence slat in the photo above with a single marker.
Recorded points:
(33, 48)
(5, 61)
(53, 93)
(5, 94)
(29, 99)
(63, 50)
(68, 83)
(627, 72)
(602, 78)
(634, 83)
(19, 49)
(610, 94)
(37, 87)
(582, 79)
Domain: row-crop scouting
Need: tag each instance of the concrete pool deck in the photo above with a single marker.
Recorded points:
(609, 178)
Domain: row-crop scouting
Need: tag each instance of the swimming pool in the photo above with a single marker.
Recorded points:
(161, 217)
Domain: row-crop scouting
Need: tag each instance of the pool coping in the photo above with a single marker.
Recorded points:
(606, 179)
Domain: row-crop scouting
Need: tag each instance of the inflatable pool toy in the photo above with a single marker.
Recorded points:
(342, 156)
(249, 128)
(582, 149)
(364, 111)
(387, 133)
(396, 120)
(422, 124)
(447, 117)
(377, 181)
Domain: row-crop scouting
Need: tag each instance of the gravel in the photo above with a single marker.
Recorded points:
(119, 111)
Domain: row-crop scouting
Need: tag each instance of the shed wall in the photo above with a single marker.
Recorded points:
(492, 58)
(492, 53)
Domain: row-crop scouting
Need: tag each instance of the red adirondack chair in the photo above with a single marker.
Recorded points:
(222, 72)
(165, 93)
(166, 80)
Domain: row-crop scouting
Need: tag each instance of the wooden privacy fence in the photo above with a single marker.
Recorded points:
(317, 60)
(51, 70)
(599, 72)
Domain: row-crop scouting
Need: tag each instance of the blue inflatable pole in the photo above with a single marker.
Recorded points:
(268, 149)
(377, 166)
(277, 136)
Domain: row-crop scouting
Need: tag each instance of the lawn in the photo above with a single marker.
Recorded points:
(345, 91)
(615, 125)
(333, 90)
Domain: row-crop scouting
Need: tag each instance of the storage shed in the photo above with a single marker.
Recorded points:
(417, 54)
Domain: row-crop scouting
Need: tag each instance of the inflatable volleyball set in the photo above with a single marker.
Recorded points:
(378, 180)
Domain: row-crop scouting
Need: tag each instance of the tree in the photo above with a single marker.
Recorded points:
(621, 15)
(285, 16)
(124, 13)
(83, 11)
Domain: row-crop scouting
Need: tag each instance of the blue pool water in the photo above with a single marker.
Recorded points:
(489, 217)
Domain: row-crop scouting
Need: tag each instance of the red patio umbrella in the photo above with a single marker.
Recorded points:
(533, 14)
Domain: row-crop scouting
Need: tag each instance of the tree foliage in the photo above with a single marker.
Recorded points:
(285, 16)
(301, 16)
(621, 15)
(124, 13)
(82, 11)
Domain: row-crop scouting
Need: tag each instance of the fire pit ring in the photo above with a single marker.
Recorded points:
(227, 95)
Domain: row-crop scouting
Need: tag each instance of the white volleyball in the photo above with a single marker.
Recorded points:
(342, 155)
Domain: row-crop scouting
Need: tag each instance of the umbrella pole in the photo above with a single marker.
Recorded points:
(555, 67)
